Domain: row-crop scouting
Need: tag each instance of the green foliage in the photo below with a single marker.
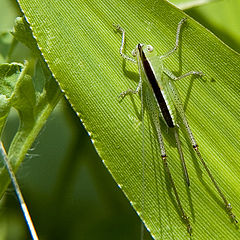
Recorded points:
(17, 91)
(9, 74)
(80, 46)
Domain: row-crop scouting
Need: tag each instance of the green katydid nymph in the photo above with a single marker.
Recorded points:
(161, 97)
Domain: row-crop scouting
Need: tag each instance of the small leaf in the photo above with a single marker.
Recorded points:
(9, 74)
(23, 34)
(4, 110)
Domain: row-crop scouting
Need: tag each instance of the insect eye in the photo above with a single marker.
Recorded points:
(134, 53)
(149, 48)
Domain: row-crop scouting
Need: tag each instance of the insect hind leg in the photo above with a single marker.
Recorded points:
(226, 203)
(196, 149)
(184, 216)
(181, 155)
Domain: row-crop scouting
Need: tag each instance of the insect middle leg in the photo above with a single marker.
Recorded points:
(131, 91)
(175, 78)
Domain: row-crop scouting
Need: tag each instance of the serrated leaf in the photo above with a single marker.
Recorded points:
(81, 48)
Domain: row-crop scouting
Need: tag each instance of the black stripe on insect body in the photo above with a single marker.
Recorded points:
(157, 91)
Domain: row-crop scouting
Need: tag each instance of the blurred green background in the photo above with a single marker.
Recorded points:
(69, 192)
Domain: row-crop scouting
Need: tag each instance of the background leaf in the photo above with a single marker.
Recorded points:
(222, 18)
(80, 46)
(9, 74)
(188, 4)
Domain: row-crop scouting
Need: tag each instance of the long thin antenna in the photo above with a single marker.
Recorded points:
(18, 193)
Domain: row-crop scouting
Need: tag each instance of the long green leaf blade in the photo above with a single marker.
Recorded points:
(81, 49)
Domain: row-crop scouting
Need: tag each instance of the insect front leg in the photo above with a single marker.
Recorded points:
(118, 28)
(180, 24)
(139, 86)
(129, 91)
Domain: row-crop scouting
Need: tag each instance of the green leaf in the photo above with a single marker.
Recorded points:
(33, 97)
(33, 109)
(222, 18)
(81, 48)
(9, 74)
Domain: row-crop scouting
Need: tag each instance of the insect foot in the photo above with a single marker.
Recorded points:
(186, 220)
(229, 209)
(127, 92)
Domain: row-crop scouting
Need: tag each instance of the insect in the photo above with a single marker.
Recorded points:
(161, 97)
